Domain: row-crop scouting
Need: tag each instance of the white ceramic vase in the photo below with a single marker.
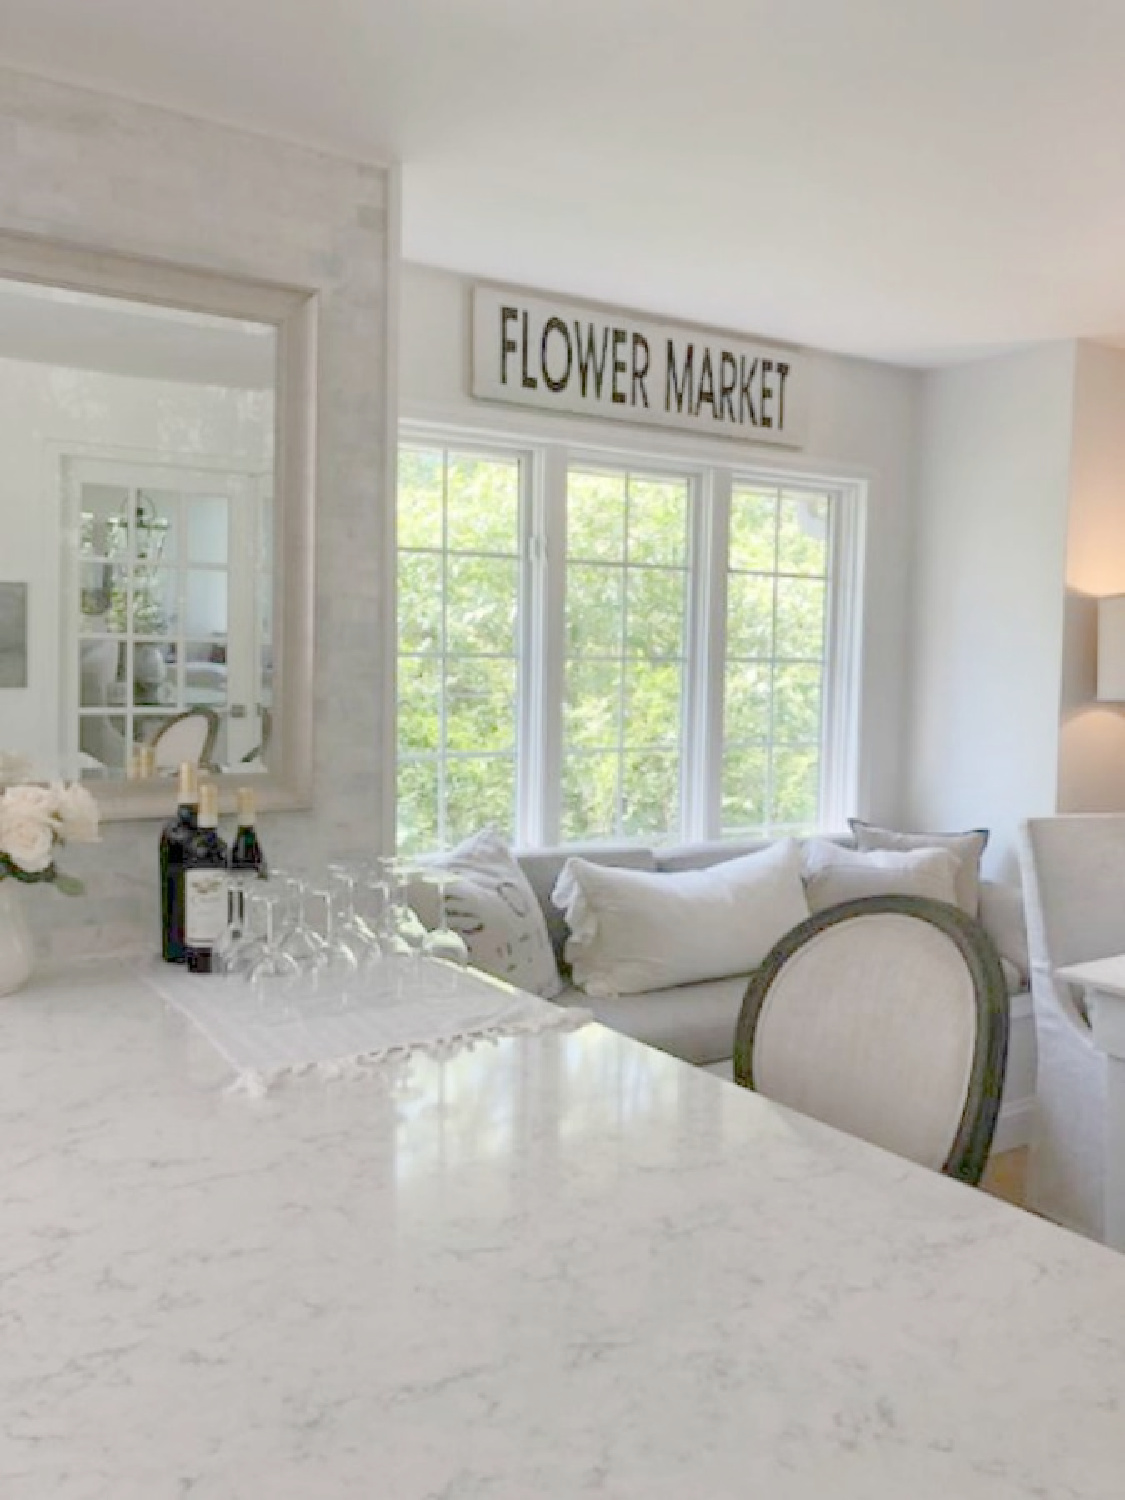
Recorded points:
(16, 952)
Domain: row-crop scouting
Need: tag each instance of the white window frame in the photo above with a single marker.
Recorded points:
(839, 759)
(712, 471)
(526, 641)
(635, 465)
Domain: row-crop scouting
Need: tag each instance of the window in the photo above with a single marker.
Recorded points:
(458, 606)
(776, 632)
(590, 647)
(626, 597)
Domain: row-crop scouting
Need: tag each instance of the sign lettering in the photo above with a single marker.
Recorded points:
(557, 356)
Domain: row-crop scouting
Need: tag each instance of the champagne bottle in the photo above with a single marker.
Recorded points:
(246, 855)
(173, 841)
(205, 884)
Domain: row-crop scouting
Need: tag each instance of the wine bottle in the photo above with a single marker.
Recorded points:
(246, 854)
(173, 840)
(205, 882)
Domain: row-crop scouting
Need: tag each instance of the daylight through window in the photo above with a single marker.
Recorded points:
(590, 649)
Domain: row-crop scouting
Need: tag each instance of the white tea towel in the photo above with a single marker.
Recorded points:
(432, 1007)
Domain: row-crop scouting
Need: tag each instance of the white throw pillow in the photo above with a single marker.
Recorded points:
(491, 904)
(968, 847)
(834, 874)
(635, 930)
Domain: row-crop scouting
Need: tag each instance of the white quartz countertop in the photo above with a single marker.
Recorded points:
(558, 1267)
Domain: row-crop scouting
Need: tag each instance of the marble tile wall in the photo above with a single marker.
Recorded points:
(95, 171)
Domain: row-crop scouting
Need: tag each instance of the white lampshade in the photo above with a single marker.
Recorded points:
(1111, 649)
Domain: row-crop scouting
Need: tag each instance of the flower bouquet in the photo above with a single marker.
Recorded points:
(34, 819)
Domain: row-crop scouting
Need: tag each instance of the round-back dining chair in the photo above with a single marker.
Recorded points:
(886, 1017)
(187, 736)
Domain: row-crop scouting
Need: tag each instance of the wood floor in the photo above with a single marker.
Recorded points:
(1005, 1175)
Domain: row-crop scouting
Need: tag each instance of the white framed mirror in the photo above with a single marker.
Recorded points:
(157, 515)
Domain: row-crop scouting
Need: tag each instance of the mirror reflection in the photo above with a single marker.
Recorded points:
(136, 509)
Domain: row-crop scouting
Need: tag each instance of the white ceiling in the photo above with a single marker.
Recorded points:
(916, 180)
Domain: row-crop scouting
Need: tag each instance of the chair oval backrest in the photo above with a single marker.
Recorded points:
(189, 736)
(887, 1018)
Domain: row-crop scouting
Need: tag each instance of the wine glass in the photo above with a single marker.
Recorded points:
(238, 947)
(301, 941)
(404, 930)
(283, 887)
(441, 941)
(273, 965)
(342, 960)
(349, 926)
(398, 930)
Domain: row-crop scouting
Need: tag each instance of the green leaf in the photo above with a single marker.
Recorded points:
(69, 885)
(10, 870)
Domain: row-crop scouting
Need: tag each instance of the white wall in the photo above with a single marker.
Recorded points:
(1092, 735)
(93, 171)
(863, 425)
(988, 595)
(47, 410)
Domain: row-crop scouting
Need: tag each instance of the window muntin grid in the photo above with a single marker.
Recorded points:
(778, 580)
(458, 616)
(627, 580)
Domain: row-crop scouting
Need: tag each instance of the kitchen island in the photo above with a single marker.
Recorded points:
(555, 1267)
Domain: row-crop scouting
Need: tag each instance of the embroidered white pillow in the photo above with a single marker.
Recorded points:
(491, 904)
(635, 930)
(834, 874)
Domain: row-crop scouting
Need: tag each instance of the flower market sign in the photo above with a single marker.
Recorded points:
(565, 357)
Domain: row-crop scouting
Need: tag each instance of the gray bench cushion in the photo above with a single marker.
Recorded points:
(693, 1021)
(703, 856)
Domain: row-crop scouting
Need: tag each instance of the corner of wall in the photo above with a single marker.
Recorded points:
(987, 572)
(1091, 769)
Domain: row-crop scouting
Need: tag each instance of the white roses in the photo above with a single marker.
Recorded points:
(26, 835)
(76, 814)
(33, 819)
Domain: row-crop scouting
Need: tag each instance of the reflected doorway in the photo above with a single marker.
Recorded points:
(168, 599)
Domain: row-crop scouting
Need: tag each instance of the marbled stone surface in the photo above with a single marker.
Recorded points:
(557, 1267)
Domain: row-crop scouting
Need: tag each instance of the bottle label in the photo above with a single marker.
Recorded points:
(205, 907)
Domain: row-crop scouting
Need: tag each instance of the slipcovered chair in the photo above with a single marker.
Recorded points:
(886, 1017)
(1074, 892)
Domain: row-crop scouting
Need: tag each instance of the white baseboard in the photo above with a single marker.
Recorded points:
(1013, 1128)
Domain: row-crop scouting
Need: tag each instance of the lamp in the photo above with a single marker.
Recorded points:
(1111, 649)
(125, 548)
(149, 528)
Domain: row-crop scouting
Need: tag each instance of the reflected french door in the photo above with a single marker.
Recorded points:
(166, 606)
